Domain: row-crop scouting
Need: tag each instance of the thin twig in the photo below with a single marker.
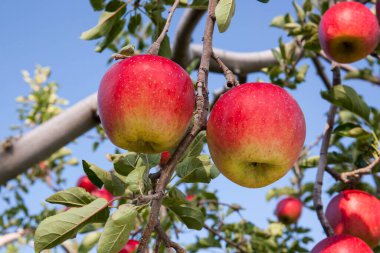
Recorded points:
(230, 76)
(168, 243)
(321, 72)
(349, 176)
(155, 47)
(200, 122)
(228, 241)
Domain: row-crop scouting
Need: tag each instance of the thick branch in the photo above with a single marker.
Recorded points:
(46, 139)
(200, 120)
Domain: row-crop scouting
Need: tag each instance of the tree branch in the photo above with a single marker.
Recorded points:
(228, 241)
(168, 243)
(200, 121)
(155, 47)
(230, 76)
(322, 164)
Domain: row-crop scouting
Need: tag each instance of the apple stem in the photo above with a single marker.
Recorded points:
(230, 76)
(155, 47)
(200, 123)
(322, 164)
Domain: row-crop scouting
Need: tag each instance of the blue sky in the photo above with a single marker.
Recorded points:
(47, 33)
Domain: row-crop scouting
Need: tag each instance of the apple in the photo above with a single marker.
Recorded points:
(341, 244)
(255, 133)
(348, 32)
(146, 103)
(86, 184)
(356, 213)
(190, 197)
(102, 193)
(289, 210)
(165, 156)
(130, 246)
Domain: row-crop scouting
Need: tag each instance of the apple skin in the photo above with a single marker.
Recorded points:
(190, 197)
(348, 32)
(86, 184)
(145, 103)
(289, 210)
(255, 133)
(102, 193)
(356, 213)
(341, 244)
(165, 156)
(130, 246)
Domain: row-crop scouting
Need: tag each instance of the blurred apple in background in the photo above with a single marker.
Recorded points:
(289, 210)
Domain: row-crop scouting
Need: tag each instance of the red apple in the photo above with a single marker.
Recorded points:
(356, 213)
(130, 246)
(165, 156)
(190, 197)
(348, 32)
(146, 103)
(289, 210)
(102, 193)
(255, 133)
(86, 184)
(341, 244)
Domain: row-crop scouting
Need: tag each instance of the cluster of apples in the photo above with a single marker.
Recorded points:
(349, 31)
(255, 131)
(354, 216)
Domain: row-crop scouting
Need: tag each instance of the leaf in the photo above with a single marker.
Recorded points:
(352, 130)
(99, 177)
(116, 29)
(174, 198)
(192, 217)
(346, 97)
(224, 12)
(89, 242)
(138, 180)
(106, 21)
(75, 196)
(97, 5)
(125, 163)
(196, 146)
(278, 192)
(58, 228)
(197, 170)
(117, 229)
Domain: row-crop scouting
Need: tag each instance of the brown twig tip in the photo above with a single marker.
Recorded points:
(230, 76)
(155, 47)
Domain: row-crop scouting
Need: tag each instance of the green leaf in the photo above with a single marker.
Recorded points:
(278, 192)
(116, 29)
(299, 10)
(138, 180)
(352, 130)
(58, 228)
(125, 163)
(97, 5)
(106, 21)
(75, 196)
(196, 146)
(192, 217)
(89, 242)
(99, 177)
(197, 170)
(134, 22)
(117, 229)
(174, 198)
(165, 49)
(224, 12)
(346, 97)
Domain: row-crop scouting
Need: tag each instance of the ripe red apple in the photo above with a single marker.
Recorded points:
(102, 193)
(190, 197)
(341, 244)
(356, 213)
(255, 133)
(348, 32)
(165, 156)
(289, 210)
(130, 246)
(86, 184)
(146, 103)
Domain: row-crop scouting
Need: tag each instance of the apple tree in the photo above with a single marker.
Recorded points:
(174, 136)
